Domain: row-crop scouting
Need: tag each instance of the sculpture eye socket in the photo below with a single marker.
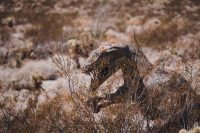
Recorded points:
(103, 72)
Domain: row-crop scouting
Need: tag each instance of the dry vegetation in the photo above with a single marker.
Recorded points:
(43, 43)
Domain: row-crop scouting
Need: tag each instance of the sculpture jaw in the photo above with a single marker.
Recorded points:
(103, 63)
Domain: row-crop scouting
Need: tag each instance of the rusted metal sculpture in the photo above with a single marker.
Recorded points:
(159, 92)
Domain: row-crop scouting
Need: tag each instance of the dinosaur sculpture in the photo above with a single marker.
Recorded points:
(159, 92)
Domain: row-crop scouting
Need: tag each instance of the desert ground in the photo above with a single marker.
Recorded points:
(44, 43)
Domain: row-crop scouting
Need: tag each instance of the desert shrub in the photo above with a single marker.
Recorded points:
(68, 112)
(30, 76)
(3, 56)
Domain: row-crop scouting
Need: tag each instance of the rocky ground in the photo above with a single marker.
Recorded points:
(37, 36)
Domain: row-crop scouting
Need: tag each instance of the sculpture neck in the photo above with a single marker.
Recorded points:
(134, 70)
(143, 64)
(136, 56)
(135, 64)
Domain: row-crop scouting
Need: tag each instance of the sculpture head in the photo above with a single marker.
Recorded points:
(104, 62)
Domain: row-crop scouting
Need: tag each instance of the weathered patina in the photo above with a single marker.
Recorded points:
(160, 93)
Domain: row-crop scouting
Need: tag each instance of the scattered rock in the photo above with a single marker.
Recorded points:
(194, 130)
(114, 36)
(141, 26)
